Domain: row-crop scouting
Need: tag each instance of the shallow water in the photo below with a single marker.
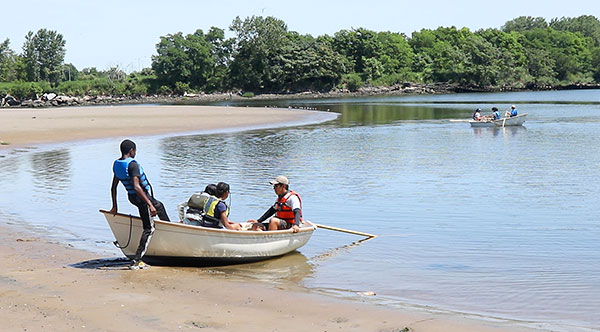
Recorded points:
(502, 223)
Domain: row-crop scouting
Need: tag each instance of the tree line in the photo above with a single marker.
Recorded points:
(263, 56)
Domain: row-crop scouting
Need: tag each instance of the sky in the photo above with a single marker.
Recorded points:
(124, 33)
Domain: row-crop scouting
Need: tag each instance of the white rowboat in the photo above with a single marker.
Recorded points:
(504, 122)
(174, 243)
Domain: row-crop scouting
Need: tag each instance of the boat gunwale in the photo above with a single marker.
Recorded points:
(310, 228)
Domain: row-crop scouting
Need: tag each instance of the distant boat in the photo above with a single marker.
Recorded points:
(517, 120)
(174, 243)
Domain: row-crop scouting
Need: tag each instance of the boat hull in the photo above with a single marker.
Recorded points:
(180, 244)
(480, 124)
(512, 121)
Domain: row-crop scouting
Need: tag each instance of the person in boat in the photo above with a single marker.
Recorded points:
(495, 113)
(512, 112)
(139, 192)
(477, 115)
(287, 209)
(216, 212)
(191, 211)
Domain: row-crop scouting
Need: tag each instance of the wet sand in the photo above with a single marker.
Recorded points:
(47, 286)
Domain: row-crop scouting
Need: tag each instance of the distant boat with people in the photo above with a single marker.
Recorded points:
(517, 120)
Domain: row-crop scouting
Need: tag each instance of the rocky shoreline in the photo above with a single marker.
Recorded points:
(54, 100)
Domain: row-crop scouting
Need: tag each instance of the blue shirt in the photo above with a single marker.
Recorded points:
(220, 208)
(513, 112)
(496, 115)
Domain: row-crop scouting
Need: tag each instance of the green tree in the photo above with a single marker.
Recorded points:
(512, 68)
(439, 55)
(394, 53)
(259, 42)
(221, 54)
(69, 72)
(596, 63)
(43, 53)
(524, 23)
(587, 25)
(357, 46)
(570, 52)
(308, 64)
(186, 59)
(8, 62)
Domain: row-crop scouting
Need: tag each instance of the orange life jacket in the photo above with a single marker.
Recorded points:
(284, 211)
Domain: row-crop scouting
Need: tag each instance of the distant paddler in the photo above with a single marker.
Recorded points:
(495, 113)
(512, 112)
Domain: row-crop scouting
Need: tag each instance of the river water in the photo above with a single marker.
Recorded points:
(497, 223)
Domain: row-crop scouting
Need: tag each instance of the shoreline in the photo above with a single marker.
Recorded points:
(402, 89)
(50, 286)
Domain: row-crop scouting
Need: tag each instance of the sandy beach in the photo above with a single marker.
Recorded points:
(49, 125)
(48, 286)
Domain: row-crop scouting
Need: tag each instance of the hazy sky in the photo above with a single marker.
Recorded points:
(124, 33)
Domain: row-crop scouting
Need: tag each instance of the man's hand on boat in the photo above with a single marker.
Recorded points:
(153, 211)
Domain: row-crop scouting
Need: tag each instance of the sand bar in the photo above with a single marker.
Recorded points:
(46, 286)
(20, 127)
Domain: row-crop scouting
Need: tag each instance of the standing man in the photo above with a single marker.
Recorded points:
(131, 174)
(287, 208)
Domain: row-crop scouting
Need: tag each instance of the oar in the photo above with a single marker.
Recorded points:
(331, 228)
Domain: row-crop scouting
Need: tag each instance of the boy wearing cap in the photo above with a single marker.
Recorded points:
(512, 112)
(287, 209)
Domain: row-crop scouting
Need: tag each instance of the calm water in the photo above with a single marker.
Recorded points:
(502, 223)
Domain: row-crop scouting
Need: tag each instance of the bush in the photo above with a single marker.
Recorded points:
(352, 81)
(138, 89)
(74, 88)
(164, 90)
(248, 94)
(4, 89)
(181, 88)
(395, 78)
(27, 90)
(118, 89)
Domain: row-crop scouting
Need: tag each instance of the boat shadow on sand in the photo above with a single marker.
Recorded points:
(293, 266)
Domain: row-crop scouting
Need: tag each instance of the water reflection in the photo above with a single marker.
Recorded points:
(293, 267)
(10, 168)
(51, 171)
(495, 131)
(218, 154)
(384, 114)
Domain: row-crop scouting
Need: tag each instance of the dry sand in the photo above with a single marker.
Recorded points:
(48, 125)
(43, 286)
